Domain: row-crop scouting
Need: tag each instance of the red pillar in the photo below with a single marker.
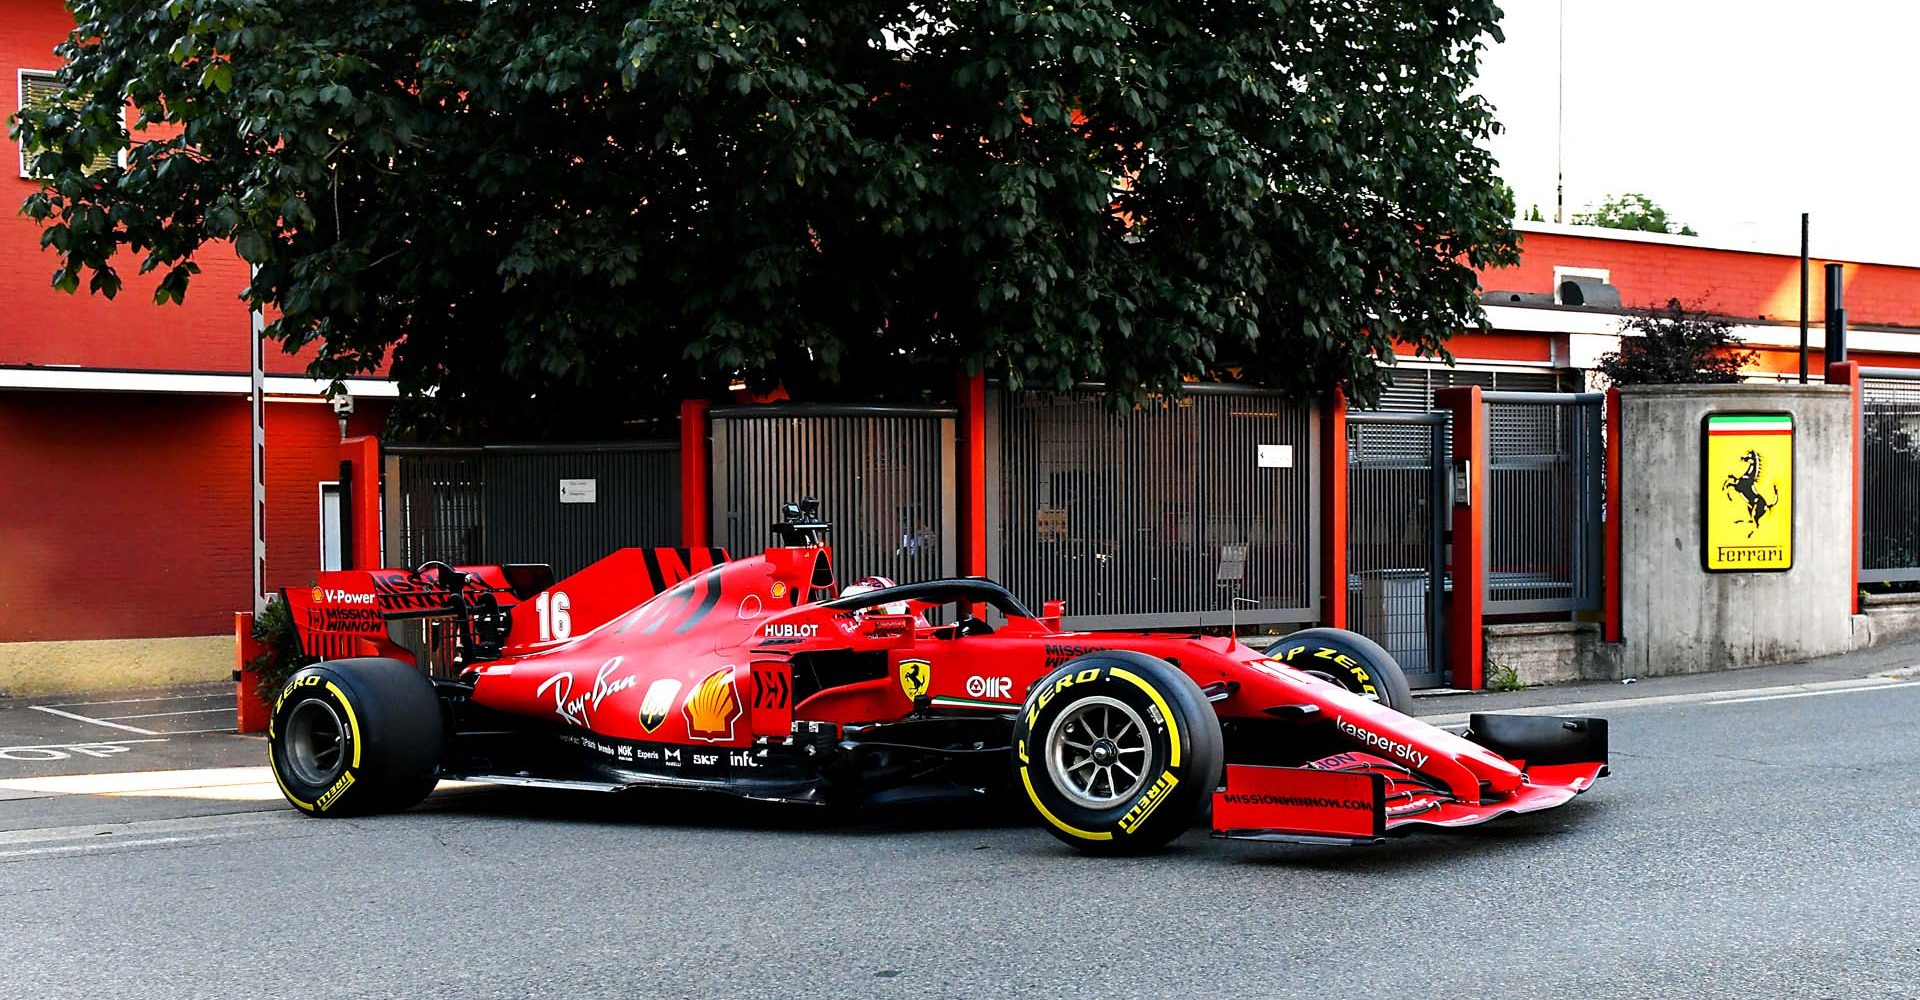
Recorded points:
(1847, 373)
(1333, 511)
(1465, 636)
(1612, 629)
(696, 465)
(251, 711)
(360, 458)
(972, 465)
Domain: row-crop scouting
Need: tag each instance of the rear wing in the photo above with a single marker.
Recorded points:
(347, 612)
(515, 608)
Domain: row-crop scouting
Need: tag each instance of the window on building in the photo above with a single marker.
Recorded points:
(41, 87)
(330, 548)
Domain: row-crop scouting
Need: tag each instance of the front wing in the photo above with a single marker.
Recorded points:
(1359, 798)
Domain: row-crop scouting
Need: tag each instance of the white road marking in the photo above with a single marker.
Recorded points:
(1695, 697)
(1813, 694)
(44, 752)
(136, 701)
(27, 853)
(162, 715)
(97, 722)
(69, 746)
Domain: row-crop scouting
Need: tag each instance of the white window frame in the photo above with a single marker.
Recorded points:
(1561, 274)
(326, 487)
(20, 96)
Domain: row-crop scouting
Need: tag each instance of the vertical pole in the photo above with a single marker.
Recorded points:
(1560, 124)
(1613, 626)
(257, 401)
(1836, 345)
(696, 465)
(972, 394)
(1803, 298)
(1333, 511)
(1466, 637)
(1847, 373)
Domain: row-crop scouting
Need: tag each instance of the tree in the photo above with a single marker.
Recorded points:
(1675, 345)
(1631, 211)
(570, 213)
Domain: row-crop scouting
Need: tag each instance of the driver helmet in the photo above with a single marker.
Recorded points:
(869, 584)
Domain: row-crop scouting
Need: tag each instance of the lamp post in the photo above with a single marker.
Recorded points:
(257, 327)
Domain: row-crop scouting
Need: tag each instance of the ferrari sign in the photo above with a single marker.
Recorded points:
(1748, 504)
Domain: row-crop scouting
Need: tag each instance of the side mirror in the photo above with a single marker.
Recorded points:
(1051, 614)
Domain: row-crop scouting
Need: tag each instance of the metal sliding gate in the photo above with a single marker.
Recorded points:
(1889, 475)
(1546, 484)
(884, 477)
(1396, 537)
(566, 505)
(1198, 510)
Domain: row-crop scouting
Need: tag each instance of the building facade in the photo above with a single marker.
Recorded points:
(125, 432)
(125, 478)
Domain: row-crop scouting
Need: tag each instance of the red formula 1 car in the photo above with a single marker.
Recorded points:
(760, 677)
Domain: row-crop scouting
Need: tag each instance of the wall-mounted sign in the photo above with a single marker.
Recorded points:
(579, 490)
(1747, 513)
(1275, 456)
(1051, 523)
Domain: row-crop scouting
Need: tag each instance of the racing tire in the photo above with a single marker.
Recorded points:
(355, 737)
(1350, 660)
(1117, 752)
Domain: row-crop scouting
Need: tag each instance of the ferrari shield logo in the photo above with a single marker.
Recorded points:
(915, 675)
(713, 707)
(658, 702)
(1748, 509)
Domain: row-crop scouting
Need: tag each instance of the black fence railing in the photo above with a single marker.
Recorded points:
(1197, 510)
(566, 505)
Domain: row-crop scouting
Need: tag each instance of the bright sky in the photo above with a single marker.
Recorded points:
(1735, 117)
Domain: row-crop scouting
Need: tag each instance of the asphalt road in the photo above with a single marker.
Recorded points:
(1756, 843)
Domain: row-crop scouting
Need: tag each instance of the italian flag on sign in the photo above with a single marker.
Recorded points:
(1774, 423)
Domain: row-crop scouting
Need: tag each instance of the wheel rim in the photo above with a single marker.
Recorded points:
(1098, 753)
(1341, 683)
(316, 742)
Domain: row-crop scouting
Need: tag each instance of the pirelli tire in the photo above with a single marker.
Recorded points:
(357, 736)
(1117, 752)
(1350, 660)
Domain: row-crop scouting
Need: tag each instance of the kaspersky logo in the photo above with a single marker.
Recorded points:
(1379, 742)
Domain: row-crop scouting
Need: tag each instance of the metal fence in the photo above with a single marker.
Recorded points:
(1160, 515)
(566, 505)
(1545, 489)
(1396, 536)
(884, 477)
(1889, 475)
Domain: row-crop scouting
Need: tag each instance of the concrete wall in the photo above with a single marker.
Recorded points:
(1676, 617)
(1549, 653)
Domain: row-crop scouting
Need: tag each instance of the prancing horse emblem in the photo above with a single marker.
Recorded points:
(1746, 484)
(915, 675)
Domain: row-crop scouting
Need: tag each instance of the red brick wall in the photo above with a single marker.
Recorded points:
(208, 332)
(125, 516)
(1748, 285)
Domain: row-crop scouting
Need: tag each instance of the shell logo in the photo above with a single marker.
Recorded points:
(319, 596)
(712, 707)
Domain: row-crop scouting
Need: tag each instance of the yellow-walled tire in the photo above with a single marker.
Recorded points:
(1350, 660)
(1118, 752)
(358, 736)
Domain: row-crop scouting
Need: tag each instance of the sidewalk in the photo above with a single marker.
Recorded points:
(1894, 659)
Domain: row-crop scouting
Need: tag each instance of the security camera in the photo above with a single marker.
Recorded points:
(342, 408)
